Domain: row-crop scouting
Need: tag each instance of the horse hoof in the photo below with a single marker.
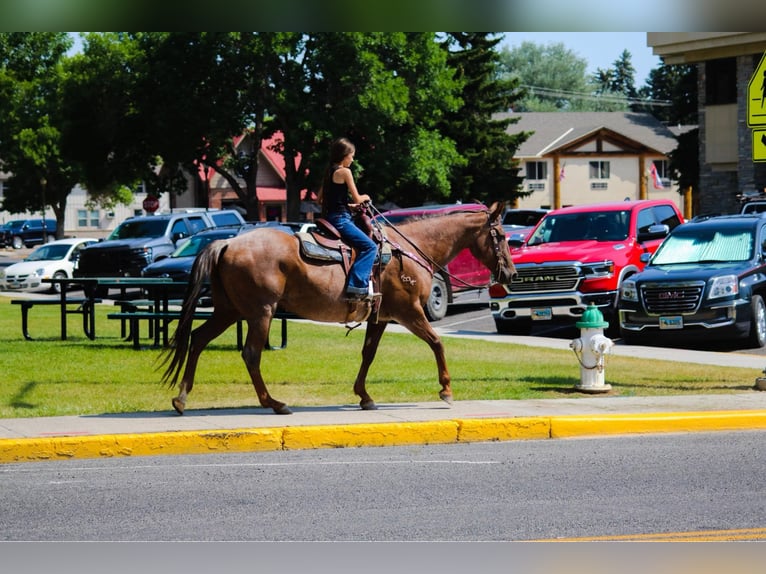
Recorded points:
(282, 410)
(446, 398)
(368, 405)
(179, 406)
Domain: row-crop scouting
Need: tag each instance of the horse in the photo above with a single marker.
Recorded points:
(253, 274)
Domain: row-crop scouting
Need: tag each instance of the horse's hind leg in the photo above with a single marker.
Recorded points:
(371, 340)
(257, 334)
(200, 338)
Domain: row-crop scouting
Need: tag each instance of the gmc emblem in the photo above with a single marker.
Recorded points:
(666, 295)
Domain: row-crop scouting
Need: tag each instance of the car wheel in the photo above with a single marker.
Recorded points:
(757, 321)
(56, 287)
(436, 306)
(17, 242)
(513, 326)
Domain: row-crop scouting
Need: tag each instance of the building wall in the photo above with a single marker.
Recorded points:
(723, 176)
(576, 189)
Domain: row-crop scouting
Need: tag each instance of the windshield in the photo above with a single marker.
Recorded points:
(145, 228)
(48, 253)
(598, 226)
(709, 246)
(196, 244)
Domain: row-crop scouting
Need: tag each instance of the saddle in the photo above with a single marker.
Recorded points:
(323, 243)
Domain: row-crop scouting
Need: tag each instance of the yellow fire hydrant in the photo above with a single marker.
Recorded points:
(590, 349)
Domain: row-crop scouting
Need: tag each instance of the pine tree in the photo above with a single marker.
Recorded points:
(490, 172)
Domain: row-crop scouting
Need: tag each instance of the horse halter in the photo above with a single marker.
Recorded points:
(498, 237)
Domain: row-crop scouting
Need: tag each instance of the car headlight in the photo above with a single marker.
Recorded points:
(598, 270)
(628, 291)
(723, 286)
(38, 272)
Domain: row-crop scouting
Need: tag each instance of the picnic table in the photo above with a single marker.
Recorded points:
(154, 287)
(153, 307)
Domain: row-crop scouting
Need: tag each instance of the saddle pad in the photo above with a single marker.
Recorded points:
(312, 250)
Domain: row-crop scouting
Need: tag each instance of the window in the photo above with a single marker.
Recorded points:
(599, 170)
(87, 218)
(721, 82)
(537, 170)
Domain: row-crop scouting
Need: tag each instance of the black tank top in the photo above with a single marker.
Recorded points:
(337, 200)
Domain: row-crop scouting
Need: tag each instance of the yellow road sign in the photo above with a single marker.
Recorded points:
(759, 145)
(756, 96)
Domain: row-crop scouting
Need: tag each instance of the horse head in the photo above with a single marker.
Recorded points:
(496, 248)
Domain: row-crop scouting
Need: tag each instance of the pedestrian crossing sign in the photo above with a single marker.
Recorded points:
(756, 96)
(759, 145)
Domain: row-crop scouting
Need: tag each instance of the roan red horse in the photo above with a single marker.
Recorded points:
(254, 273)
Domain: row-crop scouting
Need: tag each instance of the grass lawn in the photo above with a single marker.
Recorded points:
(50, 377)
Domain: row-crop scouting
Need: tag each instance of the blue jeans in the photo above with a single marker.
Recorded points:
(366, 250)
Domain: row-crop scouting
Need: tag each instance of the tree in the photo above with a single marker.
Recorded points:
(489, 171)
(31, 79)
(553, 78)
(677, 84)
(386, 92)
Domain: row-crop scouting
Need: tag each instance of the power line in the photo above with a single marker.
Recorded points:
(551, 93)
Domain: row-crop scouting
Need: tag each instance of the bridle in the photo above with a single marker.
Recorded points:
(496, 233)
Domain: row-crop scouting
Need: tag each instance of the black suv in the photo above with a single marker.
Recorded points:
(139, 241)
(707, 281)
(27, 232)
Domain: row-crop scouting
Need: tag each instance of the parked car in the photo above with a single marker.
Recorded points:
(53, 260)
(464, 274)
(576, 256)
(20, 233)
(518, 223)
(288, 226)
(706, 282)
(178, 264)
(141, 240)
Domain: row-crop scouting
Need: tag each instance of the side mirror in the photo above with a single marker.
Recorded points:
(656, 231)
(515, 240)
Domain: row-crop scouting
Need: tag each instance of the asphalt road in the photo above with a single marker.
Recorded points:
(649, 487)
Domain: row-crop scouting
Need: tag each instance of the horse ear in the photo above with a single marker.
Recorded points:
(496, 210)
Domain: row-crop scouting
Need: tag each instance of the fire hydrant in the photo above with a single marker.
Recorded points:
(590, 349)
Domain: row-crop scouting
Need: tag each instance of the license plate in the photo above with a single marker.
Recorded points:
(675, 322)
(542, 314)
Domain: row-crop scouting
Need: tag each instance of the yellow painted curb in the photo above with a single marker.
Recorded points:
(580, 425)
(377, 434)
(476, 430)
(368, 435)
(107, 446)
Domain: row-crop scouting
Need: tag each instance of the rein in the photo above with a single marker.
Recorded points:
(429, 264)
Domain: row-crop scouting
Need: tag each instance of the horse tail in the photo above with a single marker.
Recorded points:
(204, 268)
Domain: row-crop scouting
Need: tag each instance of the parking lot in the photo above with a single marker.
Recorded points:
(471, 313)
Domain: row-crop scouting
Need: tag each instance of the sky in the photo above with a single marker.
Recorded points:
(599, 49)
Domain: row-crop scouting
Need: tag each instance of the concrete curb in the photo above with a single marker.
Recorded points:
(367, 435)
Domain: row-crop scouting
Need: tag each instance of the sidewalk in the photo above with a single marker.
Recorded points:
(229, 430)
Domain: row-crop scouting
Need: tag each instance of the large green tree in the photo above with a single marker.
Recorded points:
(32, 124)
(387, 92)
(489, 171)
(555, 79)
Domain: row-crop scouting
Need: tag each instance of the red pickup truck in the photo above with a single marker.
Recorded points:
(576, 256)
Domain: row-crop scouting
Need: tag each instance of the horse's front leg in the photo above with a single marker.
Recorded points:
(371, 340)
(422, 328)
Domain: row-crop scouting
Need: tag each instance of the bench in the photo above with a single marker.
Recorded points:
(133, 318)
(84, 307)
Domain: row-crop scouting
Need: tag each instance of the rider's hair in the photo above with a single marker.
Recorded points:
(339, 149)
